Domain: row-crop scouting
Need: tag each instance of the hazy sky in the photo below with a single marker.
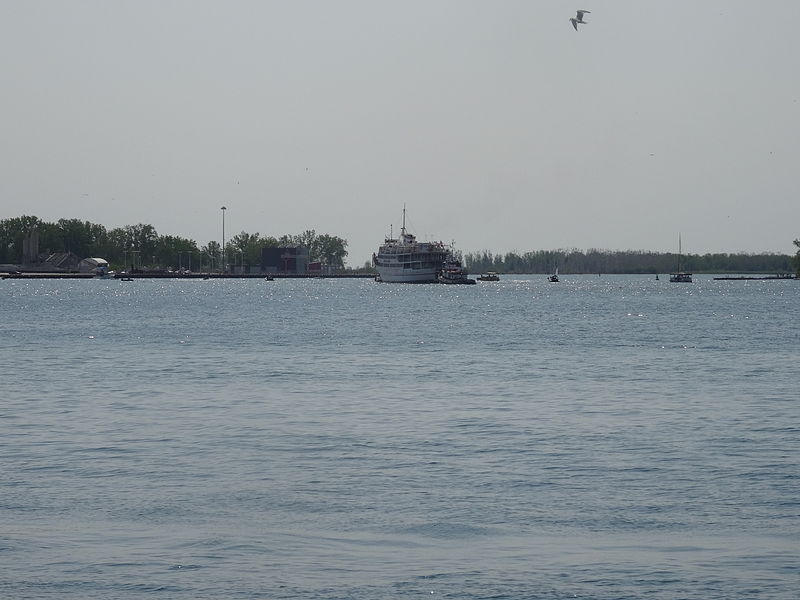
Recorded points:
(497, 124)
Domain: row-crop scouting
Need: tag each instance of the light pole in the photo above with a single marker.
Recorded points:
(223, 209)
(134, 254)
(180, 259)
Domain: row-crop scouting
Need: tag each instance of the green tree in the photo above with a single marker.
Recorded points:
(287, 240)
(12, 232)
(211, 255)
(50, 238)
(330, 250)
(142, 238)
(82, 238)
(116, 247)
(310, 240)
(248, 247)
(129, 244)
(175, 251)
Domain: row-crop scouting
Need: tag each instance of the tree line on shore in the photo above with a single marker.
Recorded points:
(142, 245)
(628, 261)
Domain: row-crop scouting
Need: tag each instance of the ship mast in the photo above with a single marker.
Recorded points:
(403, 230)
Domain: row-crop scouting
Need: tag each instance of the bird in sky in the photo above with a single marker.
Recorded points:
(579, 18)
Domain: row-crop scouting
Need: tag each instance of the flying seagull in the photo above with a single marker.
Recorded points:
(579, 18)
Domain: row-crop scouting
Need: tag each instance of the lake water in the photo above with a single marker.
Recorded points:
(605, 437)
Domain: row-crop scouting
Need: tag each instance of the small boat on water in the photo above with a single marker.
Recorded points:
(681, 276)
(489, 276)
(453, 273)
(554, 277)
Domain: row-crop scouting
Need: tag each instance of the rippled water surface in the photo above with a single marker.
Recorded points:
(603, 437)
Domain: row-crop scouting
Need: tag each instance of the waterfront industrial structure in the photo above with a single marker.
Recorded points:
(292, 260)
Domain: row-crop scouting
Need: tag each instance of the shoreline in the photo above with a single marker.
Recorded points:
(121, 276)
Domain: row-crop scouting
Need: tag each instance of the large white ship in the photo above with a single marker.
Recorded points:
(405, 260)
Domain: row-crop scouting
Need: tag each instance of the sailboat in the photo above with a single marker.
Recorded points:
(554, 277)
(680, 276)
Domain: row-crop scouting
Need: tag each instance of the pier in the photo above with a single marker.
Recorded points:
(755, 277)
(168, 275)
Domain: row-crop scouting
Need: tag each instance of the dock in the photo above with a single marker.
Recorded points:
(755, 277)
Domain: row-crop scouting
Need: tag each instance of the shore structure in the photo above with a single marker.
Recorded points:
(405, 260)
(185, 275)
(755, 277)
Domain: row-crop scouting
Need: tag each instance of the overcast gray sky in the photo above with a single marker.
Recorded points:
(497, 124)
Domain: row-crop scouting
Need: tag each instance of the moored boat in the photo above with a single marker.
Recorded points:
(489, 276)
(405, 260)
(681, 276)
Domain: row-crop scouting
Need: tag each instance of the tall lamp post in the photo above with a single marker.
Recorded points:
(180, 259)
(222, 266)
(134, 255)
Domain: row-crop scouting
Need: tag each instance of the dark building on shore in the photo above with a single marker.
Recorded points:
(285, 260)
(62, 261)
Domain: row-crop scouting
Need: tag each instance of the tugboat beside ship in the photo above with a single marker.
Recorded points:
(452, 272)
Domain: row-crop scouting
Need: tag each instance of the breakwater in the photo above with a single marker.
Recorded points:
(755, 277)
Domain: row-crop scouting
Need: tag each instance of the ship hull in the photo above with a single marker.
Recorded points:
(399, 274)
